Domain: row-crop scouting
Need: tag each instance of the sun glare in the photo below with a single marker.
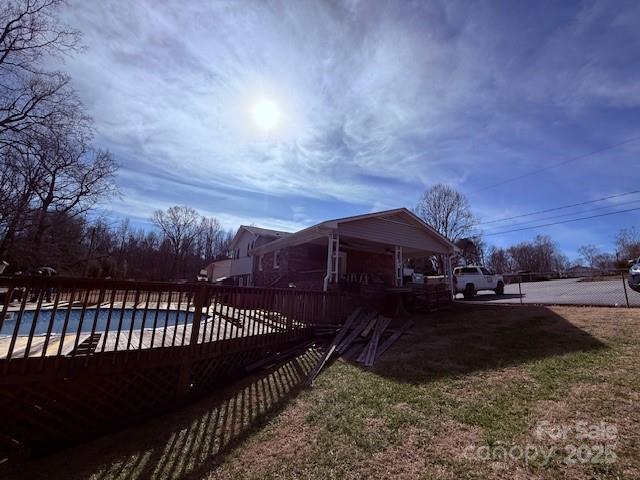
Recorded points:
(266, 114)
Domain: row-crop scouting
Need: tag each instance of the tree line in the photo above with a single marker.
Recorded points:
(449, 212)
(182, 243)
(52, 176)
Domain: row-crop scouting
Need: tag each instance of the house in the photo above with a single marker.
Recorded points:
(240, 265)
(357, 253)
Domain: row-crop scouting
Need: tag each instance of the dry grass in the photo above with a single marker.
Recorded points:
(478, 377)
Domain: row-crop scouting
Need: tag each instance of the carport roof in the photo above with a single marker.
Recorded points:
(330, 226)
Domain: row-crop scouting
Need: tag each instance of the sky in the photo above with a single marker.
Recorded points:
(376, 102)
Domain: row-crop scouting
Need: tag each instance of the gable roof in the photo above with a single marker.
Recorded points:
(399, 215)
(258, 232)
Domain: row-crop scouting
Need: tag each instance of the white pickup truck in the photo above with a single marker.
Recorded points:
(471, 279)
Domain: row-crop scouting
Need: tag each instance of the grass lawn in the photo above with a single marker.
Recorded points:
(463, 395)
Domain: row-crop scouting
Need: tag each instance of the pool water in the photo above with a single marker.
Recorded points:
(101, 318)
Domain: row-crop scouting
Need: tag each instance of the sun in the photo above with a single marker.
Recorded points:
(266, 114)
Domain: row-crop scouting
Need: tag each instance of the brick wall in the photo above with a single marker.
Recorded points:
(305, 266)
(375, 264)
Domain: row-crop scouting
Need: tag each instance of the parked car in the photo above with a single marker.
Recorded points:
(469, 280)
(634, 275)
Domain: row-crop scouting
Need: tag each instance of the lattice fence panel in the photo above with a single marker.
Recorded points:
(43, 416)
(209, 373)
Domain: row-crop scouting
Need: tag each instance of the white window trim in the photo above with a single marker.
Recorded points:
(260, 262)
(276, 259)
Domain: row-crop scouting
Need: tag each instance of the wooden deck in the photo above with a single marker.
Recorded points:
(222, 322)
(59, 387)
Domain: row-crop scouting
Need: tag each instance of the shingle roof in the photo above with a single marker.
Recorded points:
(265, 232)
(262, 232)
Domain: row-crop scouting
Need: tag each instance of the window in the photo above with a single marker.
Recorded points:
(485, 271)
(260, 262)
(276, 259)
(469, 271)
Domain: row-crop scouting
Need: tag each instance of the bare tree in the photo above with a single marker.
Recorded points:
(472, 249)
(31, 97)
(20, 177)
(500, 260)
(540, 255)
(589, 254)
(448, 211)
(49, 173)
(628, 244)
(180, 225)
(75, 179)
(57, 179)
(208, 240)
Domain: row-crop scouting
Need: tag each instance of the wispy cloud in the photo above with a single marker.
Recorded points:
(379, 100)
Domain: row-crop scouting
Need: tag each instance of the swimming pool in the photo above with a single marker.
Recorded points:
(125, 319)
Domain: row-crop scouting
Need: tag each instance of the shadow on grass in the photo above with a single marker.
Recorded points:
(476, 337)
(187, 443)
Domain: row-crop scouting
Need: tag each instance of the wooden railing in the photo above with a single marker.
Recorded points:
(44, 317)
(81, 357)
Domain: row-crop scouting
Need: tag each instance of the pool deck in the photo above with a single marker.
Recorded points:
(225, 322)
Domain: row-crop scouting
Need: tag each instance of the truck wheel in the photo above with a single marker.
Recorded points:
(499, 289)
(469, 291)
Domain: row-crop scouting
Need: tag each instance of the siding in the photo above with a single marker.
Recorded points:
(392, 233)
(242, 265)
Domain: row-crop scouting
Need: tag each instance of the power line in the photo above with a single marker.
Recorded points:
(563, 221)
(618, 205)
(617, 195)
(564, 162)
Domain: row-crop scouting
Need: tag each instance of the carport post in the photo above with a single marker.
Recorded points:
(449, 272)
(624, 285)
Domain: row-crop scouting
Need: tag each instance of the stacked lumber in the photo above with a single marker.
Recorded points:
(431, 297)
(363, 337)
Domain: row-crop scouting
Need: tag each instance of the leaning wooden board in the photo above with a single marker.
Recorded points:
(341, 334)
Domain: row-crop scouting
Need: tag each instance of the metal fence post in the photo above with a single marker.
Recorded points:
(520, 289)
(624, 285)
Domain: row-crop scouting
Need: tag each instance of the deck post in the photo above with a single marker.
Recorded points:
(198, 303)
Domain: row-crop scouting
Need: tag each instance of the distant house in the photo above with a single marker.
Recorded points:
(353, 252)
(240, 263)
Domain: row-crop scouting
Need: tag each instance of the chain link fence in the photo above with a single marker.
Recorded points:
(614, 288)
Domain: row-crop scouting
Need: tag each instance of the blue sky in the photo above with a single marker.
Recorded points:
(378, 101)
